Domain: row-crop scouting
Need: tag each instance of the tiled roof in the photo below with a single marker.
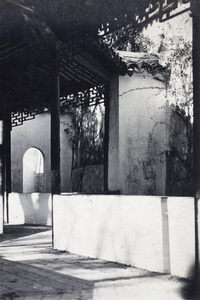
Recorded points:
(139, 62)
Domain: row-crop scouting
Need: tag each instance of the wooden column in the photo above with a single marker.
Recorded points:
(1, 171)
(6, 159)
(196, 143)
(106, 140)
(55, 125)
(5, 156)
(1, 148)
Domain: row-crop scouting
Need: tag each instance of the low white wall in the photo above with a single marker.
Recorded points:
(35, 208)
(144, 231)
(182, 236)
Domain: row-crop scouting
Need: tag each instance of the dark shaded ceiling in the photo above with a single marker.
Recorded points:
(30, 28)
(21, 19)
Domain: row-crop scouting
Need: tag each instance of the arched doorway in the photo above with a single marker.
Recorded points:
(33, 171)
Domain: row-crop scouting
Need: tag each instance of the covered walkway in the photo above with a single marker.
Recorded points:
(31, 269)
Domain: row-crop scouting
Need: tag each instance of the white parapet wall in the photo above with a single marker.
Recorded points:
(34, 208)
(150, 232)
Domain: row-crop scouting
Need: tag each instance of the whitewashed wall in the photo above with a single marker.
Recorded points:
(33, 133)
(148, 232)
(36, 133)
(35, 208)
(138, 136)
(142, 136)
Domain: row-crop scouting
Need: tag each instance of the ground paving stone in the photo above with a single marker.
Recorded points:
(31, 269)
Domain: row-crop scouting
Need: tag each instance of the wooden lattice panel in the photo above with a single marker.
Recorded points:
(92, 96)
(18, 118)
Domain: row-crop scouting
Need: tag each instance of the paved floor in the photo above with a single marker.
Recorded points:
(31, 269)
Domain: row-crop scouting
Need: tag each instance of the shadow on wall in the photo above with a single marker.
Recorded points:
(34, 208)
(189, 291)
(12, 232)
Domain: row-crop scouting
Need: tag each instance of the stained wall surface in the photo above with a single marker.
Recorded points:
(138, 135)
(142, 135)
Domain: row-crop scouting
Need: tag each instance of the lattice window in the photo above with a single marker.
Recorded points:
(18, 118)
(89, 97)
(92, 96)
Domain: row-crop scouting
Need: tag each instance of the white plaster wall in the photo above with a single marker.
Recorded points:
(123, 229)
(33, 133)
(36, 133)
(126, 229)
(35, 208)
(141, 109)
(182, 241)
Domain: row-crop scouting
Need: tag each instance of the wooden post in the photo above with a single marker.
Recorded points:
(196, 138)
(55, 126)
(5, 156)
(106, 140)
(6, 159)
(1, 172)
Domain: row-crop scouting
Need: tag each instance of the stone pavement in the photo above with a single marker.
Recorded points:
(31, 269)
